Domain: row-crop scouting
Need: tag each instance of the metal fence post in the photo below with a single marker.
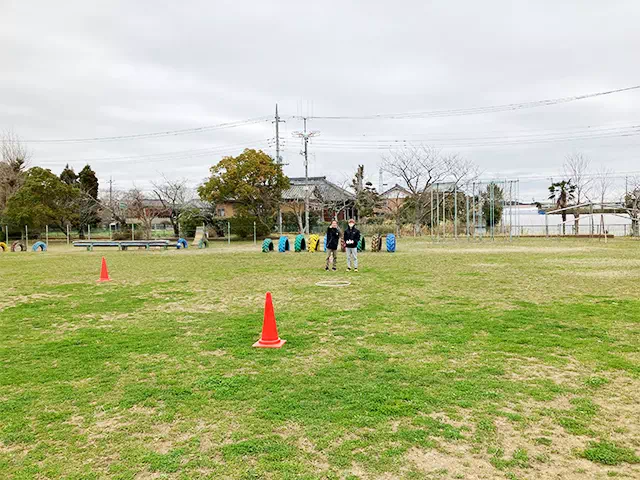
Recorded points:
(6, 233)
(229, 233)
(254, 233)
(46, 235)
(133, 231)
(89, 231)
(455, 212)
(26, 236)
(68, 234)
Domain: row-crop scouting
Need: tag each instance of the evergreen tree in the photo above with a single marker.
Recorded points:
(68, 176)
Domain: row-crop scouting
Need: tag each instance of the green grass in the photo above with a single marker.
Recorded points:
(438, 360)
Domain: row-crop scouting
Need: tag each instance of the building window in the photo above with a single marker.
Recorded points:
(221, 212)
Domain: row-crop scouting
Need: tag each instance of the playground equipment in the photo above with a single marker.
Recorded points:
(18, 245)
(314, 243)
(39, 246)
(283, 244)
(124, 245)
(361, 244)
(267, 245)
(376, 243)
(269, 337)
(201, 239)
(300, 243)
(3, 247)
(391, 243)
(182, 243)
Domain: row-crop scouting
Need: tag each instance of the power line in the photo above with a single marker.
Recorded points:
(167, 133)
(176, 155)
(472, 110)
(370, 145)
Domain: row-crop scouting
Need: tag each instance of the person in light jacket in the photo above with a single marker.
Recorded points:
(351, 240)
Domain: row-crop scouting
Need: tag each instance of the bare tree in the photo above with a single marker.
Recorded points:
(420, 168)
(173, 195)
(576, 167)
(14, 158)
(298, 208)
(603, 183)
(114, 204)
(138, 208)
(631, 204)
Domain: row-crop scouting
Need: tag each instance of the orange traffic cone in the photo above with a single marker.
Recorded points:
(269, 337)
(104, 273)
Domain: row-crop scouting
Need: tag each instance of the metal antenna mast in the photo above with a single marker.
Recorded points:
(306, 136)
(277, 121)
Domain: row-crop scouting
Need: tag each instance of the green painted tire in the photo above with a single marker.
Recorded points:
(301, 243)
(361, 244)
(267, 245)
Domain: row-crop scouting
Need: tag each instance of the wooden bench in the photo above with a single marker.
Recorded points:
(122, 245)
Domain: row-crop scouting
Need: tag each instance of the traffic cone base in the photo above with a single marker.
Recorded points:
(269, 337)
(277, 344)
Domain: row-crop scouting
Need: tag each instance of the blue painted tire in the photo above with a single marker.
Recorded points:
(325, 244)
(391, 243)
(283, 244)
(182, 243)
(39, 246)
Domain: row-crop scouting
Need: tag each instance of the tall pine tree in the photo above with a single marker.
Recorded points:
(88, 204)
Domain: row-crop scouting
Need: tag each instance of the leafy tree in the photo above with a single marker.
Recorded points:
(88, 203)
(495, 198)
(43, 200)
(562, 193)
(253, 179)
(68, 176)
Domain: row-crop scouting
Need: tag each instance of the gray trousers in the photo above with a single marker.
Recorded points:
(352, 253)
(330, 254)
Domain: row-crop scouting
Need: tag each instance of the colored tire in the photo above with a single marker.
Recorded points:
(204, 243)
(267, 245)
(182, 243)
(391, 243)
(301, 243)
(3, 247)
(343, 246)
(283, 244)
(376, 243)
(39, 246)
(16, 245)
(325, 244)
(314, 243)
(361, 244)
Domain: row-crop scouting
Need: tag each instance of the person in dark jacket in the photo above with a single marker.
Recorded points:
(351, 239)
(333, 240)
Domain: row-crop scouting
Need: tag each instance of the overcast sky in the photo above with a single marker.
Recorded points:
(78, 69)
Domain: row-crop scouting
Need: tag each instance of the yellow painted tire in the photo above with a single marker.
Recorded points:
(314, 243)
(3, 247)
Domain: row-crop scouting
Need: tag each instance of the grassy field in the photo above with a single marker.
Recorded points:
(442, 361)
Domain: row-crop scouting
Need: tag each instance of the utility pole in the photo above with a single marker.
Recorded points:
(111, 198)
(277, 121)
(305, 136)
